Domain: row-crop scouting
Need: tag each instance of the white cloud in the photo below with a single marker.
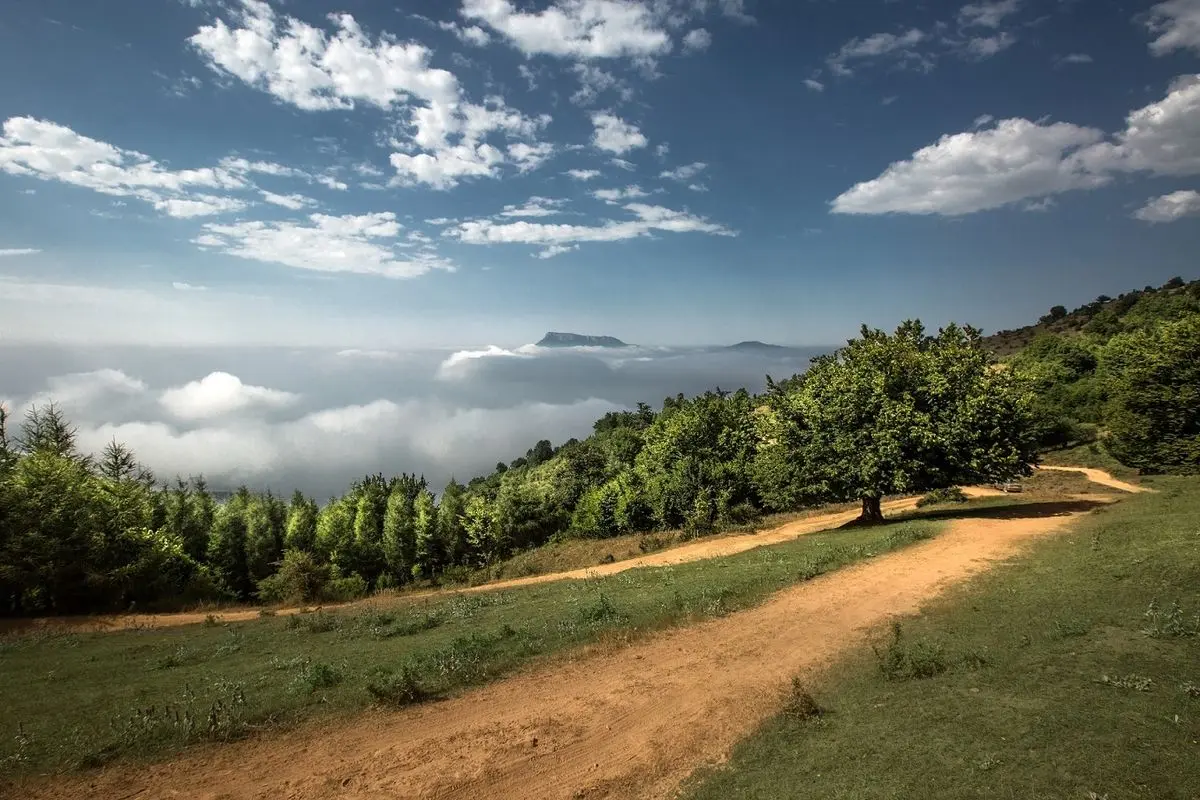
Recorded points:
(982, 120)
(51, 152)
(201, 205)
(446, 369)
(219, 394)
(583, 174)
(535, 207)
(293, 201)
(1162, 138)
(697, 187)
(814, 84)
(593, 80)
(662, 150)
(242, 166)
(615, 135)
(555, 250)
(467, 34)
(878, 45)
(696, 40)
(736, 9)
(80, 390)
(19, 251)
(1170, 207)
(614, 196)
(981, 47)
(527, 157)
(444, 136)
(1076, 58)
(581, 29)
(648, 219)
(628, 166)
(1019, 160)
(986, 14)
(354, 244)
(330, 182)
(684, 173)
(188, 287)
(1177, 25)
(968, 172)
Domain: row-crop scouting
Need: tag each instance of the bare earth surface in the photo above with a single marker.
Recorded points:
(1101, 477)
(693, 551)
(625, 722)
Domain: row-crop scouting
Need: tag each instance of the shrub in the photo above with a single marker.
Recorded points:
(902, 661)
(300, 579)
(400, 689)
(800, 704)
(314, 676)
(343, 590)
(951, 494)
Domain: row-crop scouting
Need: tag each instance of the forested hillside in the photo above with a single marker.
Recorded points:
(889, 413)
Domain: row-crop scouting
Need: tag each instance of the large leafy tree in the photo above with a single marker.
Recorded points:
(1154, 413)
(907, 412)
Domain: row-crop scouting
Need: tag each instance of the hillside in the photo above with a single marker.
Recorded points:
(1105, 316)
(557, 339)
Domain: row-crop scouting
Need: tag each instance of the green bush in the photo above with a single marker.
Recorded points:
(951, 494)
(300, 579)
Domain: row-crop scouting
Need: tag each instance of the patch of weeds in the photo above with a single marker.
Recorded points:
(1169, 623)
(602, 610)
(266, 612)
(231, 645)
(1191, 690)
(220, 715)
(1070, 627)
(906, 536)
(1138, 683)
(319, 622)
(23, 753)
(800, 705)
(651, 542)
(951, 494)
(211, 621)
(900, 660)
(400, 689)
(178, 657)
(387, 626)
(989, 763)
(314, 676)
(812, 567)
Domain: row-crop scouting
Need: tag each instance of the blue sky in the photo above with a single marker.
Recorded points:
(667, 171)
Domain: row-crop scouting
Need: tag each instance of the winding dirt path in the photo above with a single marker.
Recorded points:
(1101, 477)
(630, 722)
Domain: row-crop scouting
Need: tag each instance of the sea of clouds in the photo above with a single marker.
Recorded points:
(315, 419)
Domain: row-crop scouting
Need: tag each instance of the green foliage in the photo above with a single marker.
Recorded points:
(300, 579)
(951, 494)
(1154, 413)
(894, 414)
(227, 545)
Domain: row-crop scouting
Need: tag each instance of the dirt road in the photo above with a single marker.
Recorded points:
(619, 723)
(1101, 477)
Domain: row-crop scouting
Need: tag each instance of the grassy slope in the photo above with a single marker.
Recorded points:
(1090, 455)
(1038, 720)
(82, 699)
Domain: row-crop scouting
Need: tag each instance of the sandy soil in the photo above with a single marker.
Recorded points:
(616, 722)
(692, 551)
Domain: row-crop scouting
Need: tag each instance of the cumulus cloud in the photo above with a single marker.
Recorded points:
(614, 196)
(219, 394)
(51, 152)
(981, 47)
(814, 84)
(684, 173)
(315, 70)
(467, 34)
(19, 251)
(968, 172)
(696, 40)
(1177, 26)
(534, 207)
(1170, 207)
(901, 47)
(987, 14)
(582, 29)
(593, 81)
(647, 220)
(614, 135)
(293, 201)
(582, 174)
(1019, 160)
(447, 367)
(188, 287)
(349, 243)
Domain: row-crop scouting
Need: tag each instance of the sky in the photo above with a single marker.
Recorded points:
(666, 171)
(246, 236)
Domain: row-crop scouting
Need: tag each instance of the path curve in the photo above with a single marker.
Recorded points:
(1099, 476)
(625, 723)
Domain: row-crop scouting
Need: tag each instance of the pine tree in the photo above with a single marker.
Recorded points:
(399, 535)
(425, 534)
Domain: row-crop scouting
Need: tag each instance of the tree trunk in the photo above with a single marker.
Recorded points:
(871, 513)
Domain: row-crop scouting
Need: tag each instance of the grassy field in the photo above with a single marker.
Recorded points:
(1073, 672)
(79, 700)
(1090, 455)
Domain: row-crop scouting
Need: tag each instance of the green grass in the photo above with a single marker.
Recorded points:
(1072, 672)
(79, 700)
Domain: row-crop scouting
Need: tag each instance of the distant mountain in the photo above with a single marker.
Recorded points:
(555, 339)
(758, 347)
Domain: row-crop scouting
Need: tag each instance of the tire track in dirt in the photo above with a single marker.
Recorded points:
(625, 723)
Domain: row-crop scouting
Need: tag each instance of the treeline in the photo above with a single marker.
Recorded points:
(1126, 372)
(905, 412)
